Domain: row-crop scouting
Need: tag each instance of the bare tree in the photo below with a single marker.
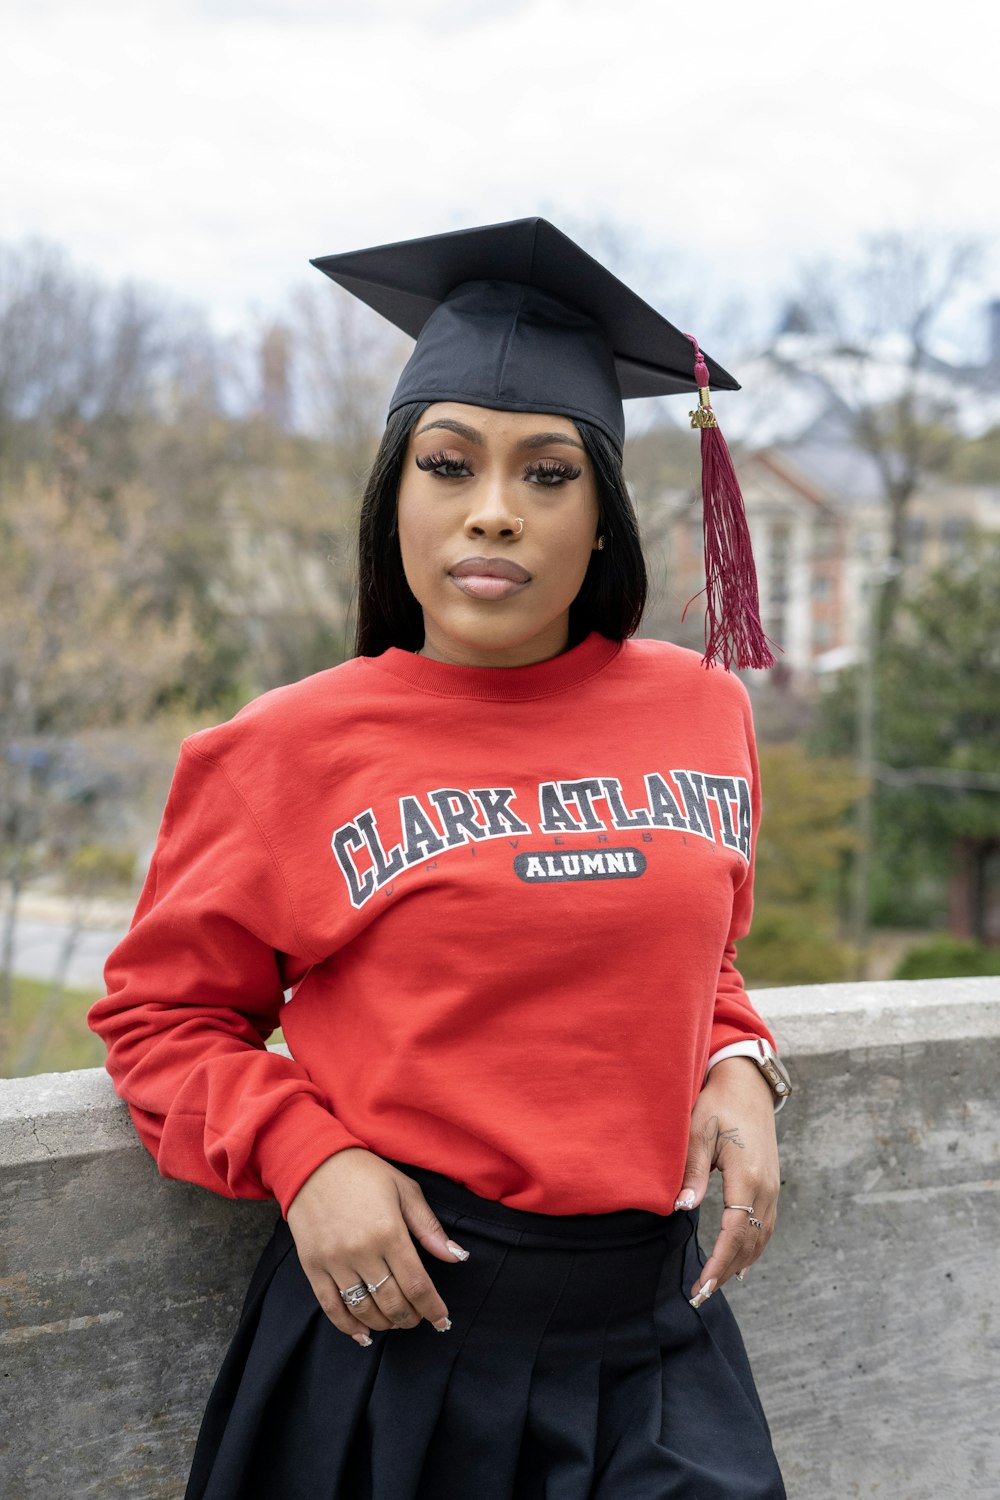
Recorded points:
(79, 650)
(345, 362)
(77, 352)
(316, 383)
(868, 330)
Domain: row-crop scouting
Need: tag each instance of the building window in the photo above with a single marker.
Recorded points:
(826, 539)
(955, 536)
(914, 536)
(778, 543)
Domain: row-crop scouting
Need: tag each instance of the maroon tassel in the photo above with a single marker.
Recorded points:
(733, 631)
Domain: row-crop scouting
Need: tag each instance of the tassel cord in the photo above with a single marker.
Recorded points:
(734, 634)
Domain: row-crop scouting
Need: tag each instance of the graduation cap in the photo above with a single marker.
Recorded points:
(517, 317)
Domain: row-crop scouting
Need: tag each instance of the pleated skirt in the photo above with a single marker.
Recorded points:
(575, 1369)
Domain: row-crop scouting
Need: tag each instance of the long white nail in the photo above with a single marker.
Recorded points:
(457, 1251)
(443, 1326)
(362, 1339)
(704, 1294)
(686, 1200)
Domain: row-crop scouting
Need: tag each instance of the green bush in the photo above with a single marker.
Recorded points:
(948, 958)
(99, 866)
(791, 945)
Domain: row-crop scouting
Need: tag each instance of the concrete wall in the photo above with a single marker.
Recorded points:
(872, 1321)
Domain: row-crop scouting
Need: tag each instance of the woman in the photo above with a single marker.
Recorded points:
(501, 859)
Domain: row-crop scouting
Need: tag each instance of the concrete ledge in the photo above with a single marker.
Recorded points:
(872, 1321)
(62, 1115)
(811, 1019)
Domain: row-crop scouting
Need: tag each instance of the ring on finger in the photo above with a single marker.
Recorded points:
(373, 1286)
(744, 1208)
(352, 1295)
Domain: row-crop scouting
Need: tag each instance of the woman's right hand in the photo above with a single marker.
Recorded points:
(352, 1221)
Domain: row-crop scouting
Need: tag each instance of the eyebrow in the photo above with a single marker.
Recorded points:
(544, 439)
(528, 444)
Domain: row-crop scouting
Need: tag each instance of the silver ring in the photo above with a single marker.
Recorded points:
(755, 1223)
(352, 1295)
(373, 1286)
(744, 1208)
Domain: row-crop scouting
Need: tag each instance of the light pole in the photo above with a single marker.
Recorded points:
(874, 580)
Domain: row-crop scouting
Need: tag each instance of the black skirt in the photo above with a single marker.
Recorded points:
(575, 1369)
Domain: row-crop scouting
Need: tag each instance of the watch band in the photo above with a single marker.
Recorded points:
(767, 1061)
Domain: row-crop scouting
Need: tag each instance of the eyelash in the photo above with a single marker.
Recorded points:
(549, 473)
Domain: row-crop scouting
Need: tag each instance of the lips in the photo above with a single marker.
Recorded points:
(490, 567)
(489, 577)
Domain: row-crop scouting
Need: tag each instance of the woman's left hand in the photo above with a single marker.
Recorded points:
(732, 1128)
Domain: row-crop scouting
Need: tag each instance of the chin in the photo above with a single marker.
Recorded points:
(487, 638)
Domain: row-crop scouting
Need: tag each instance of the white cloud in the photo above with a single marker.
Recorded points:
(214, 146)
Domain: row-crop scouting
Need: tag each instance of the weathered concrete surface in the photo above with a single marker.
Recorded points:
(116, 1293)
(872, 1321)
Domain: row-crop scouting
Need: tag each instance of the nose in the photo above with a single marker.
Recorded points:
(492, 516)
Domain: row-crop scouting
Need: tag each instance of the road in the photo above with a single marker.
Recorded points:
(38, 944)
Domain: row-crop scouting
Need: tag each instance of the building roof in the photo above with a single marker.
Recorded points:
(806, 381)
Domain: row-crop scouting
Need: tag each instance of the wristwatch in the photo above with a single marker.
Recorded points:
(763, 1054)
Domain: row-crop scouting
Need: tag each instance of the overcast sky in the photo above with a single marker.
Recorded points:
(213, 146)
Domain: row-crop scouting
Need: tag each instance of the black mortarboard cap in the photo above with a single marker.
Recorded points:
(517, 317)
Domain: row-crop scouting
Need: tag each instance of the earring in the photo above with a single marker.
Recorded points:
(600, 544)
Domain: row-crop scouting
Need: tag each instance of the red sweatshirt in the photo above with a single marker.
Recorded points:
(505, 902)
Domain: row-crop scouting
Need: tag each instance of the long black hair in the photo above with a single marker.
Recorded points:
(612, 596)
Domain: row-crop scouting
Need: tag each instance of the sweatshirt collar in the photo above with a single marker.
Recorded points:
(501, 684)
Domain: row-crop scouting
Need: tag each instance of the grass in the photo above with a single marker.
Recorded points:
(56, 1034)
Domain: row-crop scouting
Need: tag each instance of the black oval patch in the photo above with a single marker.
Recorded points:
(545, 867)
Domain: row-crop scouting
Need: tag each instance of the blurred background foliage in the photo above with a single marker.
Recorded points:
(938, 732)
(176, 515)
(803, 851)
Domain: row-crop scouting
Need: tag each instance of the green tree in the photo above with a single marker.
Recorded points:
(977, 461)
(937, 739)
(804, 841)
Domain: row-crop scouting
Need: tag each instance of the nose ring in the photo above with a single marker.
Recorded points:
(520, 525)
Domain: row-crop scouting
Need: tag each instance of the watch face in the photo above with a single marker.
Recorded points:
(778, 1074)
(774, 1069)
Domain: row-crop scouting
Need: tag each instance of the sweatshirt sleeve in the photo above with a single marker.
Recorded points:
(735, 1019)
(193, 992)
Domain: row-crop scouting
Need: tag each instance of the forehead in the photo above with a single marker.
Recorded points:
(491, 425)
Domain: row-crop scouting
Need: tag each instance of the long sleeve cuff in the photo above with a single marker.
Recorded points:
(289, 1148)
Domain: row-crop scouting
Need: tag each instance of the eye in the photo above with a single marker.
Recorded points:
(443, 465)
(551, 472)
